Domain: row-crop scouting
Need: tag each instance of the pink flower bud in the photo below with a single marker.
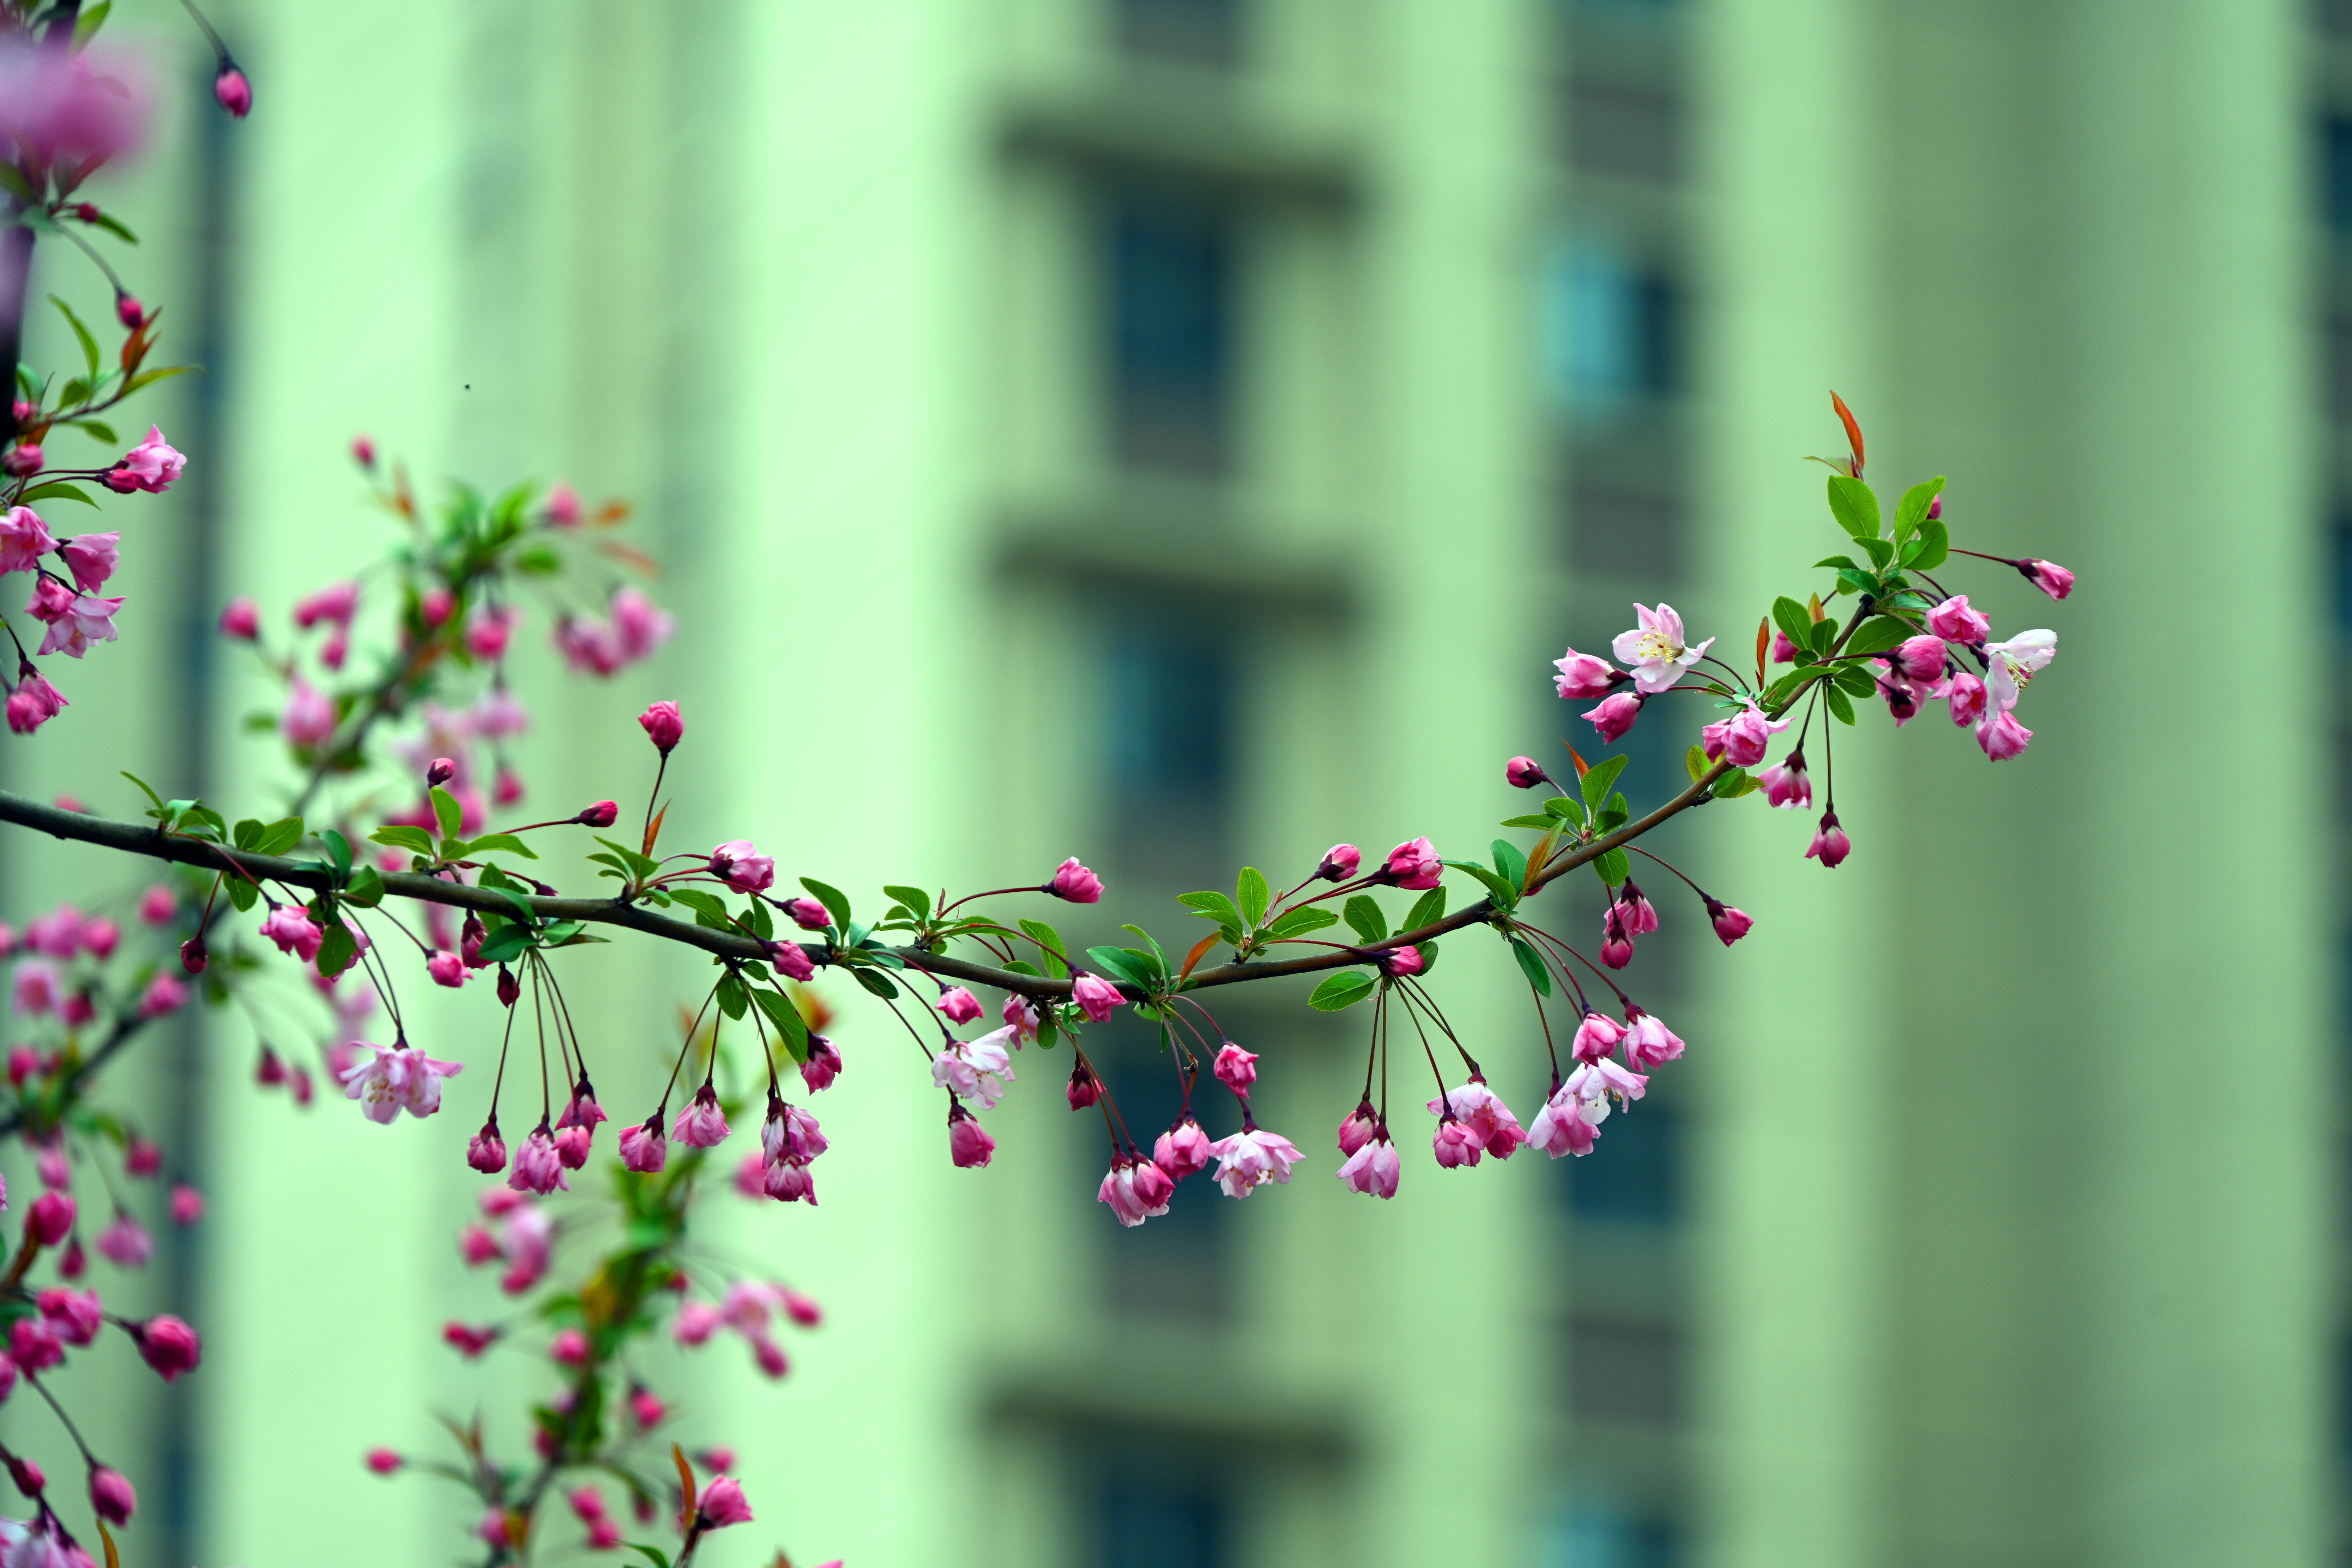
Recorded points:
(364, 451)
(470, 1342)
(642, 1149)
(823, 1064)
(1075, 883)
(270, 1070)
(1615, 716)
(487, 1152)
(2048, 576)
(588, 1502)
(1525, 772)
(142, 1157)
(702, 1124)
(645, 1407)
(157, 905)
(509, 988)
(792, 961)
(568, 1348)
(168, 1345)
(93, 558)
(435, 605)
(740, 865)
(125, 1243)
(26, 1473)
(2002, 737)
(52, 1217)
(194, 956)
(150, 466)
(1414, 866)
(722, 1504)
(23, 460)
(1583, 676)
(76, 1315)
(110, 1496)
(1829, 845)
(1361, 1125)
(959, 1004)
(1920, 658)
(187, 1205)
(1183, 1150)
(603, 813)
(1402, 960)
(808, 914)
(1153, 1187)
(564, 506)
(129, 311)
(382, 1461)
(440, 772)
(1783, 651)
(1339, 862)
(968, 1144)
(1786, 782)
(538, 1168)
(448, 969)
(663, 726)
(1096, 997)
(1955, 619)
(1235, 1067)
(233, 92)
(32, 704)
(35, 1345)
(574, 1145)
(1084, 1087)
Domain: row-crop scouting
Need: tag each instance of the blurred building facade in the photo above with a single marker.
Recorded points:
(1178, 432)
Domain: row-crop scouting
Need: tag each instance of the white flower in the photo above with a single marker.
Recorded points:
(2014, 663)
(398, 1079)
(976, 1069)
(1655, 650)
(1596, 1080)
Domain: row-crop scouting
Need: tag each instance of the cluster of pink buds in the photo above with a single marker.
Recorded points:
(633, 630)
(748, 1307)
(513, 1230)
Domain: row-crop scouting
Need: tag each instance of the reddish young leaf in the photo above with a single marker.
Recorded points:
(1200, 951)
(1853, 430)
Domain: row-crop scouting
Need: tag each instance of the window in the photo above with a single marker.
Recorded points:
(1196, 32)
(1171, 302)
(1632, 1175)
(1169, 728)
(1613, 331)
(1624, 130)
(1624, 1371)
(1603, 1535)
(2335, 174)
(1148, 1519)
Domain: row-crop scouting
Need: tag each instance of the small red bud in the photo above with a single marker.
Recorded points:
(364, 451)
(509, 990)
(441, 771)
(86, 211)
(232, 91)
(130, 311)
(603, 813)
(192, 956)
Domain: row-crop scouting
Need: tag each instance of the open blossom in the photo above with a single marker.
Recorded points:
(959, 1004)
(1958, 621)
(1412, 865)
(1127, 1198)
(643, 1148)
(823, 1064)
(721, 1504)
(1569, 1123)
(1490, 1121)
(1456, 1145)
(1095, 996)
(36, 988)
(291, 928)
(75, 620)
(1655, 648)
(1596, 1036)
(790, 1133)
(1361, 1125)
(126, 1243)
(1583, 675)
(1829, 845)
(538, 1166)
(1235, 1067)
(2002, 737)
(1020, 1016)
(1615, 716)
(32, 704)
(1183, 1150)
(1075, 883)
(974, 1070)
(2048, 576)
(1374, 1168)
(2017, 661)
(1251, 1158)
(24, 539)
(639, 626)
(1640, 915)
(396, 1079)
(91, 558)
(150, 466)
(71, 106)
(1605, 1077)
(308, 719)
(740, 865)
(702, 1124)
(1742, 738)
(1786, 782)
(1648, 1041)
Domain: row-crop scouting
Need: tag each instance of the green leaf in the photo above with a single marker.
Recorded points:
(1300, 921)
(1838, 560)
(643, 866)
(1695, 762)
(1931, 549)
(245, 834)
(1532, 966)
(1852, 580)
(1839, 709)
(1429, 908)
(695, 899)
(1543, 822)
(338, 849)
(1344, 989)
(1858, 681)
(1737, 783)
(879, 985)
(733, 999)
(1882, 553)
(114, 227)
(1566, 808)
(835, 901)
(339, 951)
(145, 790)
(86, 25)
(1509, 863)
(1050, 946)
(502, 841)
(242, 893)
(1252, 894)
(790, 1028)
(1614, 867)
(88, 343)
(1366, 918)
(654, 1554)
(1158, 958)
(1825, 632)
(1428, 951)
(505, 944)
(413, 839)
(56, 489)
(1599, 776)
(446, 811)
(1506, 895)
(1912, 510)
(1876, 635)
(1855, 505)
(1121, 964)
(918, 902)
(1214, 907)
(147, 378)
(1796, 621)
(365, 887)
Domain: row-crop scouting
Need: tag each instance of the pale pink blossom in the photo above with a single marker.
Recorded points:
(1606, 1077)
(1655, 648)
(487, 632)
(1095, 996)
(1958, 621)
(1373, 1168)
(1361, 1127)
(823, 1064)
(563, 505)
(643, 1148)
(1641, 916)
(32, 704)
(1648, 1041)
(150, 466)
(37, 988)
(1235, 1067)
(968, 1144)
(1490, 1121)
(1786, 782)
(1019, 1015)
(396, 1079)
(638, 627)
(2002, 737)
(70, 106)
(1596, 1036)
(1615, 716)
(164, 994)
(82, 620)
(1117, 1192)
(791, 1132)
(1183, 1150)
(1252, 1157)
(24, 539)
(1075, 883)
(702, 1124)
(1568, 1123)
(157, 905)
(959, 1004)
(1414, 866)
(1583, 675)
(740, 865)
(974, 1070)
(2015, 662)
(93, 558)
(308, 720)
(1742, 738)
(1456, 1145)
(496, 716)
(1967, 696)
(538, 1166)
(1829, 845)
(292, 929)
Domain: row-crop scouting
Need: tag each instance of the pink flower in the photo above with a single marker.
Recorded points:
(564, 506)
(1373, 1168)
(1648, 1041)
(1085, 1088)
(1339, 862)
(1360, 1129)
(808, 914)
(1456, 1145)
(382, 1461)
(1020, 1016)
(110, 1496)
(1568, 1123)
(790, 1133)
(1966, 694)
(645, 1407)
(1742, 738)
(34, 1344)
(538, 1166)
(448, 969)
(78, 622)
(1413, 865)
(1829, 845)
(52, 1217)
(308, 720)
(488, 633)
(1641, 916)
(721, 1504)
(2048, 576)
(32, 704)
(788, 1181)
(1183, 1150)
(975, 1069)
(1615, 716)
(1783, 651)
(792, 961)
(60, 111)
(568, 1348)
(396, 1079)
(959, 1005)
(1096, 997)
(1402, 960)
(1252, 1157)
(142, 1157)
(1524, 772)
(1153, 1187)
(1956, 620)
(1235, 1067)
(1920, 659)
(642, 1149)
(335, 604)
(291, 928)
(1490, 1121)
(157, 905)
(1596, 1037)
(129, 311)
(702, 1124)
(150, 466)
(242, 620)
(1655, 649)
(968, 1144)
(187, 1205)
(1119, 1192)
(36, 989)
(1595, 1079)
(1581, 676)
(24, 459)
(1786, 782)
(823, 1064)
(663, 726)
(1616, 947)
(637, 626)
(168, 1345)
(233, 92)
(76, 1315)
(2014, 663)
(126, 1243)
(740, 865)
(2002, 737)
(24, 539)
(487, 1152)
(91, 558)
(1075, 883)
